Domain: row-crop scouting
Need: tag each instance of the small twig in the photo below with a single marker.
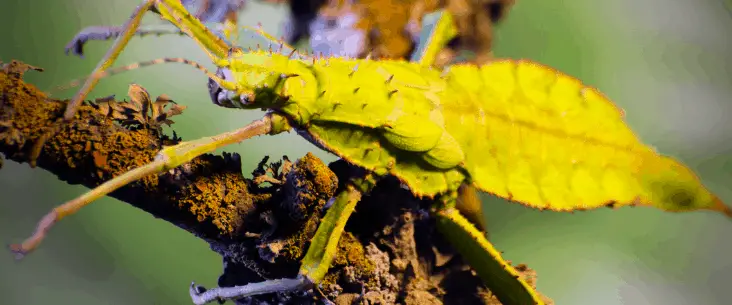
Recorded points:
(228, 293)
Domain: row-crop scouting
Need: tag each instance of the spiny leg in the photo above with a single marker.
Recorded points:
(219, 15)
(252, 34)
(219, 50)
(317, 260)
(76, 45)
(228, 31)
(168, 158)
(499, 276)
(170, 10)
(217, 11)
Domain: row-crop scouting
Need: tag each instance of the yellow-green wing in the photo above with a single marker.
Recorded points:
(539, 137)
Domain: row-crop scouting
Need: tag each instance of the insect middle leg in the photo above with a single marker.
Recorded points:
(498, 275)
(318, 258)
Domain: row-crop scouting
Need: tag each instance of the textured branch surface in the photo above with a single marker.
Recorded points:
(390, 253)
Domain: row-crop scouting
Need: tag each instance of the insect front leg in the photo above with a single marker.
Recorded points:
(76, 45)
(318, 258)
(219, 15)
(168, 158)
(170, 10)
(498, 275)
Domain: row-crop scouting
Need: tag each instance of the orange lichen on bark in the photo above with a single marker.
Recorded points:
(351, 259)
(312, 180)
(95, 143)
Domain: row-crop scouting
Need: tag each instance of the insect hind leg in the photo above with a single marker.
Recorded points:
(499, 276)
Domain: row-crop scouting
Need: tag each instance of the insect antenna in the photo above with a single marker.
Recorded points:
(138, 65)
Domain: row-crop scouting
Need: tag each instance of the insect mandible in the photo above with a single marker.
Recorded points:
(365, 112)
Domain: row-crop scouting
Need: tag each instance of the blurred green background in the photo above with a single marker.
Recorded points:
(667, 63)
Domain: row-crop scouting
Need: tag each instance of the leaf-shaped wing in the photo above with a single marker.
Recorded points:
(539, 137)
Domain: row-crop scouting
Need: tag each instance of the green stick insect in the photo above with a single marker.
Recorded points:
(514, 129)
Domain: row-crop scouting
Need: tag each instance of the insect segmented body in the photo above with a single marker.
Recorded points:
(436, 129)
(362, 110)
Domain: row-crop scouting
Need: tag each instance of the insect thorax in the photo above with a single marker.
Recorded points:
(384, 116)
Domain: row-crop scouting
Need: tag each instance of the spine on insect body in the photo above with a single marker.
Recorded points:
(516, 129)
(385, 116)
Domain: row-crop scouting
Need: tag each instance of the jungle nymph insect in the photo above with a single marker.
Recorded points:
(515, 129)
